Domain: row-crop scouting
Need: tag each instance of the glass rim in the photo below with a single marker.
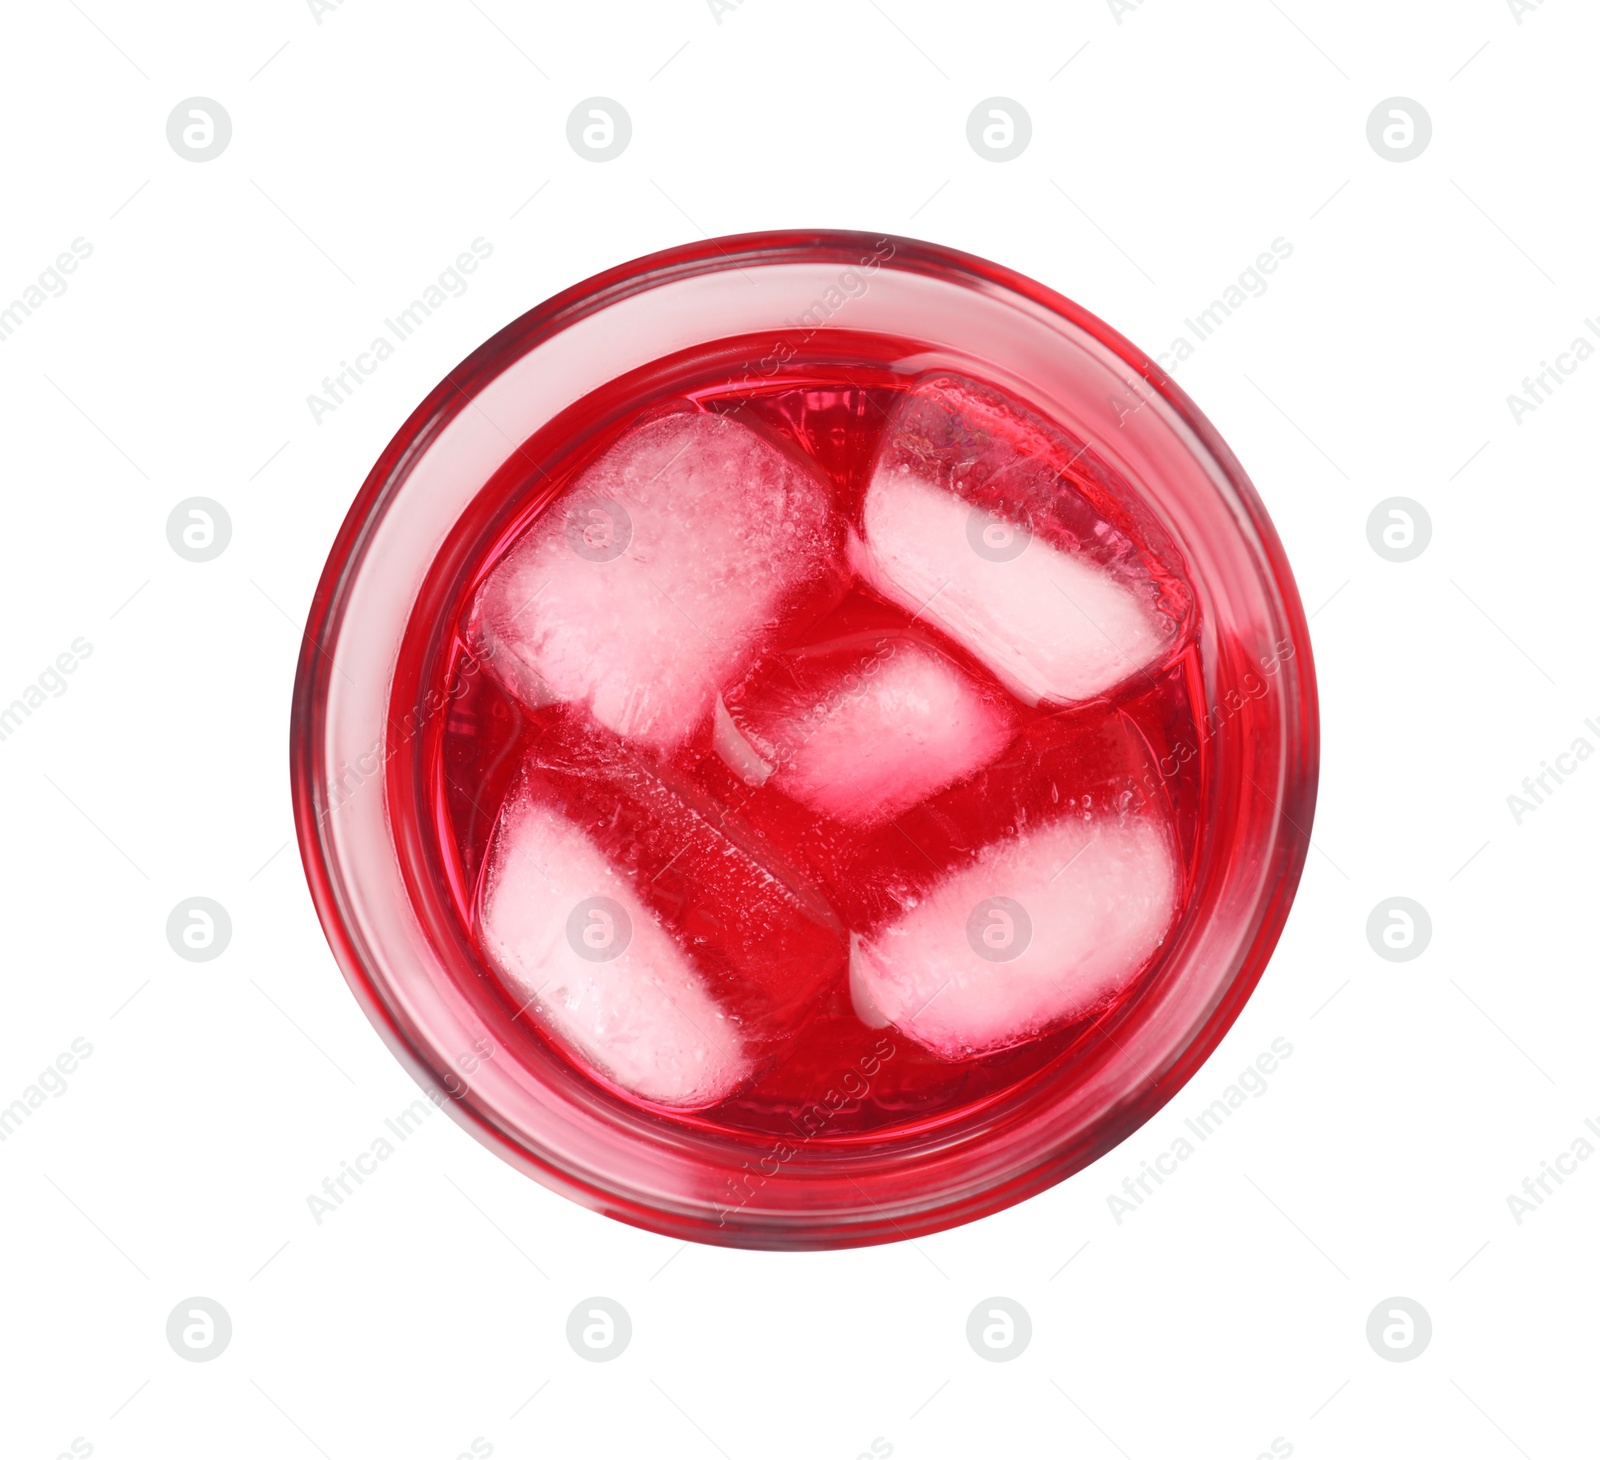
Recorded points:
(329, 879)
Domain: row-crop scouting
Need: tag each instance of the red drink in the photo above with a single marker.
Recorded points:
(817, 766)
(1106, 753)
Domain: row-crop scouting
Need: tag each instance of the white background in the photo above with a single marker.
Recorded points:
(1168, 151)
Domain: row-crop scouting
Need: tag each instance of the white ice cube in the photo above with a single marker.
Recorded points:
(1040, 928)
(649, 584)
(1051, 625)
(899, 726)
(569, 933)
(735, 751)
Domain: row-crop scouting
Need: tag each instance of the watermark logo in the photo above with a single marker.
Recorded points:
(1399, 129)
(850, 1089)
(999, 930)
(1399, 1330)
(51, 1082)
(51, 681)
(1250, 1084)
(599, 1329)
(849, 284)
(1519, 8)
(353, 774)
(1538, 788)
(599, 129)
(199, 129)
(999, 129)
(1399, 529)
(599, 930)
(199, 529)
(1251, 282)
(51, 284)
(599, 529)
(999, 1330)
(1252, 686)
(1539, 388)
(1399, 929)
(352, 1174)
(199, 929)
(451, 282)
(199, 1329)
(995, 539)
(1565, 1164)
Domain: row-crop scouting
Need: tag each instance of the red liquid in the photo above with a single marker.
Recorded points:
(1133, 748)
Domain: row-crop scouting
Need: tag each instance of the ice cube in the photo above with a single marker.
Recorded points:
(861, 730)
(735, 751)
(1081, 762)
(651, 582)
(983, 520)
(598, 969)
(753, 944)
(1042, 927)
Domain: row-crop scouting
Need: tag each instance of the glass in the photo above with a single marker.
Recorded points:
(407, 738)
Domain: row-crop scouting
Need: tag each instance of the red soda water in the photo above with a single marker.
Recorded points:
(830, 1074)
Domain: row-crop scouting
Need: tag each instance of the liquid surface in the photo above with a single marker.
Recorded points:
(819, 777)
